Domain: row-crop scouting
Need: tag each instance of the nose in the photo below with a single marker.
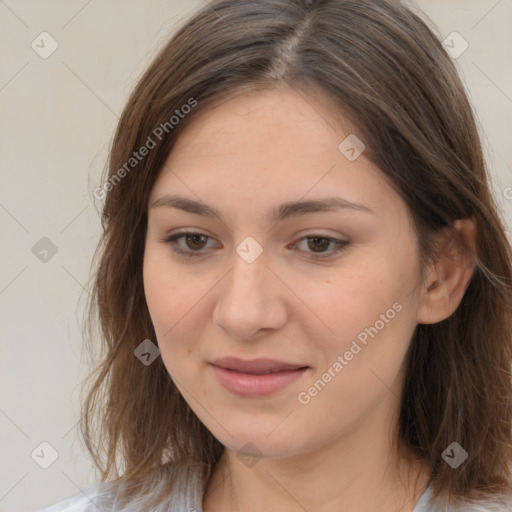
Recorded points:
(251, 300)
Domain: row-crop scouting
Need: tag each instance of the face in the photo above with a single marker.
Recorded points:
(261, 276)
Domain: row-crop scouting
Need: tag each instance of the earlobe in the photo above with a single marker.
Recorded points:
(450, 276)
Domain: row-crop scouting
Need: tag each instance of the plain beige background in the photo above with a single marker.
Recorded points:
(57, 119)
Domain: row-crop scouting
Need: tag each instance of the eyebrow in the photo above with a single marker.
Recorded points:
(284, 211)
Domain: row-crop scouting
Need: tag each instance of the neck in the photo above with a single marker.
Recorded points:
(358, 471)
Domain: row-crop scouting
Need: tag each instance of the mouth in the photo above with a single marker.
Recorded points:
(255, 366)
(256, 378)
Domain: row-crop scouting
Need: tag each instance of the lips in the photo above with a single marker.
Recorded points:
(255, 366)
(256, 378)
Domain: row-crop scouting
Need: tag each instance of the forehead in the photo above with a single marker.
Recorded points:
(282, 122)
(271, 147)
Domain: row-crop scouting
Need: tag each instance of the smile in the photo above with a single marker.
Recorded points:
(255, 378)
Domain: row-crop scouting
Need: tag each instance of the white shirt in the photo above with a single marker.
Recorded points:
(187, 496)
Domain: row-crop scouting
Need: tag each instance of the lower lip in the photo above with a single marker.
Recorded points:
(250, 385)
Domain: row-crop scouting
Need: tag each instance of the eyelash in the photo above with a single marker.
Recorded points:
(171, 240)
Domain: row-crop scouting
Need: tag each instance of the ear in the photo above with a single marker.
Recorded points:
(449, 278)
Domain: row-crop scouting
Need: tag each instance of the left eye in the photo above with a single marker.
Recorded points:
(195, 242)
(320, 244)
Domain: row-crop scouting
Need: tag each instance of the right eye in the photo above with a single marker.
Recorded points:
(192, 245)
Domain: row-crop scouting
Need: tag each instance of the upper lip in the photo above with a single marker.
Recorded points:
(255, 365)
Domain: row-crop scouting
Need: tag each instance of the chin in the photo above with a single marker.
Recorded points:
(259, 445)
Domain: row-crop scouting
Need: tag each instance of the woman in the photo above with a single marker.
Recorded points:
(303, 285)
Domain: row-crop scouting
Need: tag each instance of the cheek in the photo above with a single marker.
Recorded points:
(160, 296)
(361, 364)
(164, 295)
(174, 302)
(370, 319)
(352, 301)
(167, 289)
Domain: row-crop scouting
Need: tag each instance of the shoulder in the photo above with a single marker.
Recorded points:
(182, 491)
(82, 502)
(498, 504)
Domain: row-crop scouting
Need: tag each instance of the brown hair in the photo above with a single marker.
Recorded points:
(387, 71)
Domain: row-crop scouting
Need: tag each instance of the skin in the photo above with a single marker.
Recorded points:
(245, 158)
